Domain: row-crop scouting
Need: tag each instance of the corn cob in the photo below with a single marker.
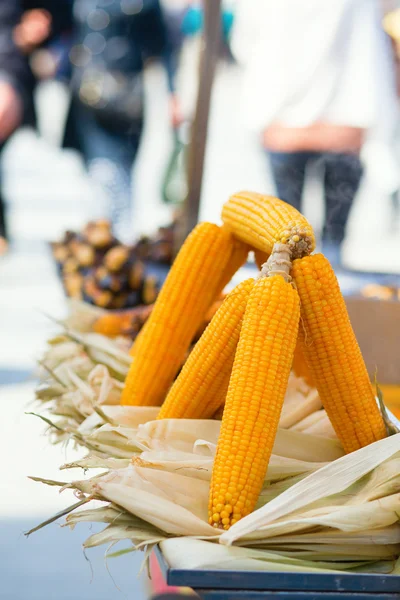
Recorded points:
(129, 322)
(260, 258)
(334, 357)
(262, 221)
(238, 257)
(256, 392)
(201, 386)
(218, 413)
(192, 284)
(208, 317)
(212, 310)
(300, 367)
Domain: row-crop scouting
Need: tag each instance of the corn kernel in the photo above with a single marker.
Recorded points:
(255, 396)
(199, 273)
(333, 356)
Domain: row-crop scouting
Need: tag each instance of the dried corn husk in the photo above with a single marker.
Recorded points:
(316, 423)
(185, 553)
(318, 510)
(332, 479)
(82, 315)
(343, 515)
(81, 378)
(78, 377)
(191, 444)
(300, 401)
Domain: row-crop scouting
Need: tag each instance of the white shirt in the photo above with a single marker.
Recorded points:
(308, 60)
(317, 60)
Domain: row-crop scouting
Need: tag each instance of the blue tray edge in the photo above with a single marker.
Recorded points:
(268, 581)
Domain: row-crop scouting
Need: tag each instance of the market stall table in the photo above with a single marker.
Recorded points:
(257, 585)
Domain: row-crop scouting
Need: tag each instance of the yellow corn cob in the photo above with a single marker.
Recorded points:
(193, 282)
(260, 258)
(218, 413)
(238, 257)
(300, 367)
(262, 221)
(333, 355)
(201, 386)
(254, 401)
(235, 257)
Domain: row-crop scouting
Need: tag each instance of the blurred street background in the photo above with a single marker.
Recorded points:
(48, 191)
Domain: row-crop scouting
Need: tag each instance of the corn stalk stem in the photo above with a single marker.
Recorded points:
(279, 263)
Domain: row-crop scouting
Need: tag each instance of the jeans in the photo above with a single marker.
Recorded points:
(342, 176)
(109, 158)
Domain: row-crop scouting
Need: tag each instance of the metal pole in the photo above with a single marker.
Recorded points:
(208, 60)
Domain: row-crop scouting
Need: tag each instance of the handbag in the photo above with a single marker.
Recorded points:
(115, 98)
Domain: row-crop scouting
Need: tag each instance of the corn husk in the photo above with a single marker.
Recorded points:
(81, 315)
(318, 510)
(335, 478)
(73, 387)
(190, 445)
(316, 423)
(301, 401)
(339, 516)
(82, 372)
(186, 553)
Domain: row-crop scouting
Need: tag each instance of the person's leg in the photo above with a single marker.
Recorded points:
(113, 172)
(3, 229)
(3, 224)
(109, 159)
(288, 171)
(343, 173)
(3, 216)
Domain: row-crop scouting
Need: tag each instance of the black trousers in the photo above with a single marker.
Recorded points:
(342, 176)
(3, 207)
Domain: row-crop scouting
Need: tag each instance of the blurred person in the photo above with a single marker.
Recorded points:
(174, 13)
(16, 84)
(24, 26)
(319, 84)
(43, 34)
(112, 43)
(391, 24)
